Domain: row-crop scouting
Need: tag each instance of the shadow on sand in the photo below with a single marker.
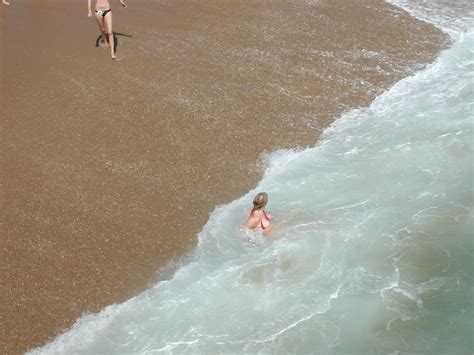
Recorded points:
(100, 40)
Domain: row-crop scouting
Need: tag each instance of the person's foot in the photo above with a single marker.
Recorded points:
(113, 56)
(5, 2)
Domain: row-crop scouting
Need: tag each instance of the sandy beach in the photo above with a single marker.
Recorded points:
(109, 169)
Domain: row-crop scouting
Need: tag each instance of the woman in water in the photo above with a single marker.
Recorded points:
(259, 219)
(103, 15)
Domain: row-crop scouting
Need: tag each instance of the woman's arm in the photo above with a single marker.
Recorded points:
(253, 220)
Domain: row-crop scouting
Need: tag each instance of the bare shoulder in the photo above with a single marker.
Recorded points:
(255, 213)
(252, 221)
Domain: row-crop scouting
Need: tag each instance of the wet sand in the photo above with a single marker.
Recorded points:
(108, 170)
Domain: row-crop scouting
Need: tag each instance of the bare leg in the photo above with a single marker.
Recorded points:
(108, 26)
(100, 22)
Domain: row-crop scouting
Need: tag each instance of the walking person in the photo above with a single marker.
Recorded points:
(103, 15)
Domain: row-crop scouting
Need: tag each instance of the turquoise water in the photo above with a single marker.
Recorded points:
(373, 251)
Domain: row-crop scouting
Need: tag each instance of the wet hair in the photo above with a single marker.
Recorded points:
(260, 201)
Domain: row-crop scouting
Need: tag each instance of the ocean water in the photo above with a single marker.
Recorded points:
(373, 247)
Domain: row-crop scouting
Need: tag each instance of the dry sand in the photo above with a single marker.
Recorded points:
(108, 170)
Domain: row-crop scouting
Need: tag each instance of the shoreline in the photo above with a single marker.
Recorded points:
(85, 149)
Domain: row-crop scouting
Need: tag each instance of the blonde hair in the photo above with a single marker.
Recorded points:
(260, 201)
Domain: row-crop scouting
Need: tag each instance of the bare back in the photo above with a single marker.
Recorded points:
(260, 220)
